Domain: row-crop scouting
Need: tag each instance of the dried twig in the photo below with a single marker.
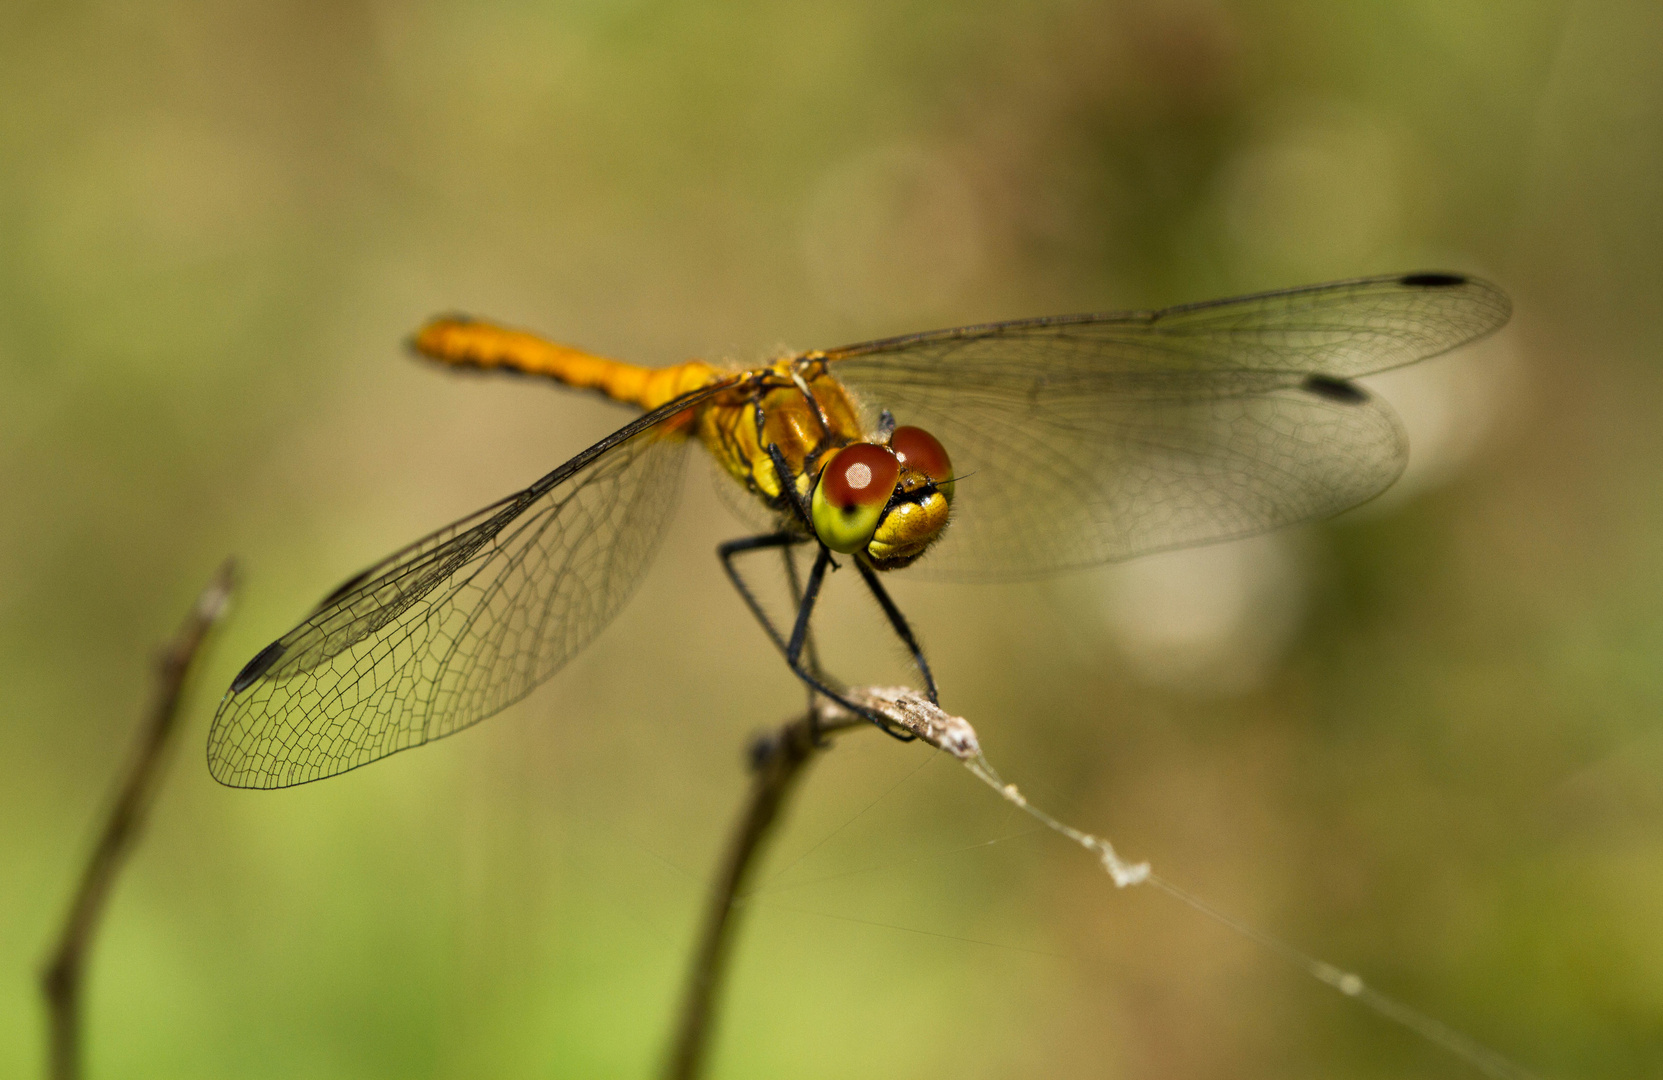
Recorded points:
(907, 709)
(778, 760)
(61, 978)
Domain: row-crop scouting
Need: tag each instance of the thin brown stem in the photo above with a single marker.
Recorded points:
(778, 762)
(61, 978)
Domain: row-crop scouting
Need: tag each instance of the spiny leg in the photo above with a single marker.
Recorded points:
(783, 540)
(789, 557)
(799, 637)
(788, 487)
(792, 650)
(805, 609)
(899, 622)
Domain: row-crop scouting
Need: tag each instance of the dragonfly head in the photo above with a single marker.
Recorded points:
(889, 500)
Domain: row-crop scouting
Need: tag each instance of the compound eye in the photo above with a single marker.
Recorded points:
(849, 500)
(918, 449)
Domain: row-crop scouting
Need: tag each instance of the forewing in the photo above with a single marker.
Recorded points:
(1092, 438)
(458, 625)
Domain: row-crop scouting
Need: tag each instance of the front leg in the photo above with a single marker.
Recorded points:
(899, 623)
(794, 580)
(794, 648)
(783, 540)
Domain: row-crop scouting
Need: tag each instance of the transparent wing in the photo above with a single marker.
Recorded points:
(1091, 438)
(460, 624)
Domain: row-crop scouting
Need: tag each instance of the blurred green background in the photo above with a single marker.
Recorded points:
(1424, 741)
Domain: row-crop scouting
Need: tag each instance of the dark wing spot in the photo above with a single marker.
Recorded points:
(257, 667)
(343, 588)
(1346, 393)
(1432, 281)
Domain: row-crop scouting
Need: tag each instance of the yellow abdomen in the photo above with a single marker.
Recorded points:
(468, 343)
(765, 406)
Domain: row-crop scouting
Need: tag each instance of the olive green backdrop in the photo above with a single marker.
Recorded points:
(1424, 741)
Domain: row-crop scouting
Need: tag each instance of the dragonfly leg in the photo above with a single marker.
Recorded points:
(793, 649)
(726, 552)
(793, 578)
(788, 486)
(899, 622)
(799, 638)
(805, 608)
(814, 402)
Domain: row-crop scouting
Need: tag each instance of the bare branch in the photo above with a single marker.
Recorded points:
(61, 977)
(778, 760)
(909, 709)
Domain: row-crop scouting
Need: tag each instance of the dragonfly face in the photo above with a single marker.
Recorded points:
(900, 505)
(883, 493)
(1075, 441)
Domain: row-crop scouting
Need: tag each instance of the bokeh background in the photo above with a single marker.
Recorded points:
(1424, 741)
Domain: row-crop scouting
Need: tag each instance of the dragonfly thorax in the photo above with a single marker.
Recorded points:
(768, 409)
(891, 507)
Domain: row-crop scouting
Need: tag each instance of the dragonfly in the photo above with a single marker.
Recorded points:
(1000, 451)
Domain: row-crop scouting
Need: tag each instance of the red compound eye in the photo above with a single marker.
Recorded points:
(860, 474)
(850, 498)
(918, 449)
